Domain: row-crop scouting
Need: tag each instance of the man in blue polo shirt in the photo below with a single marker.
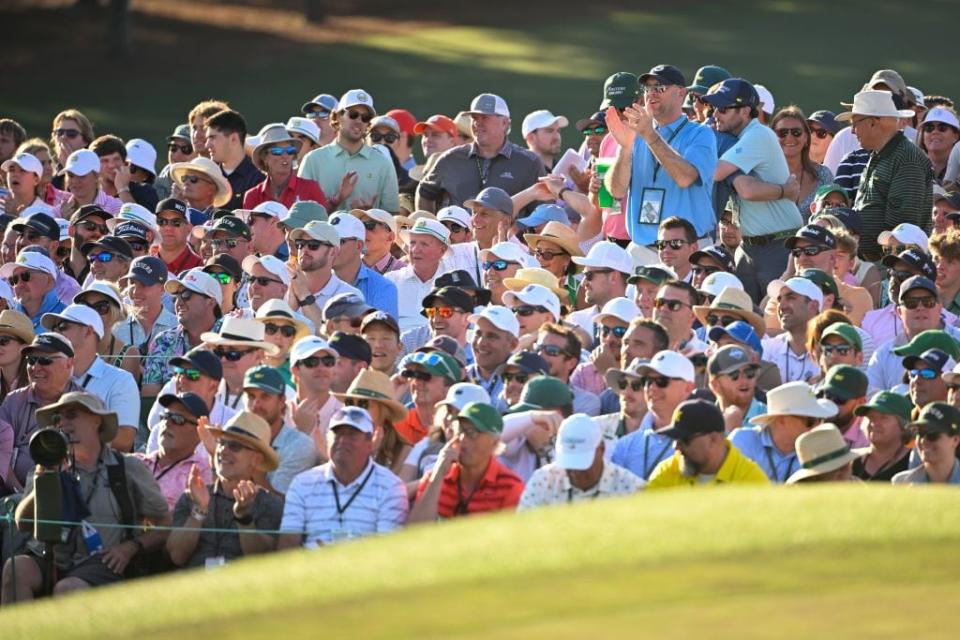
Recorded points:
(378, 292)
(665, 161)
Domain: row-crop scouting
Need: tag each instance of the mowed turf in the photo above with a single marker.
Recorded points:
(855, 561)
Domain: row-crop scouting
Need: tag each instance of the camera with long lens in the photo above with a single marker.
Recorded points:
(49, 448)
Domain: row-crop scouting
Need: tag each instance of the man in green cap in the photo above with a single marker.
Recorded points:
(529, 443)
(620, 91)
(467, 477)
(229, 235)
(938, 435)
(706, 77)
(885, 421)
(846, 386)
(647, 280)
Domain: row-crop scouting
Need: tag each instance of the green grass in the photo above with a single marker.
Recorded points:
(536, 54)
(839, 562)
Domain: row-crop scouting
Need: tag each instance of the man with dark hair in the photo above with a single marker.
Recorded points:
(197, 120)
(226, 132)
(560, 347)
(12, 135)
(116, 175)
(673, 308)
(676, 242)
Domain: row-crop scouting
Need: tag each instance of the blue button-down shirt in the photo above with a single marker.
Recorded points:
(697, 145)
(379, 292)
(641, 451)
(757, 444)
(51, 304)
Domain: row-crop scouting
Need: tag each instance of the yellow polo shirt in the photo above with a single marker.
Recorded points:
(736, 468)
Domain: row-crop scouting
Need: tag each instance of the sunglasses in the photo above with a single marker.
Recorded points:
(589, 275)
(618, 332)
(416, 374)
(231, 355)
(193, 179)
(672, 305)
(191, 374)
(177, 418)
(697, 270)
(519, 378)
(43, 361)
(653, 88)
(182, 148)
(714, 320)
(31, 236)
(389, 138)
(598, 131)
(839, 349)
(285, 330)
(25, 277)
(263, 281)
(371, 225)
(676, 244)
(318, 115)
(660, 381)
(137, 246)
(749, 373)
(547, 255)
(454, 227)
(222, 278)
(290, 150)
(496, 265)
(233, 446)
(364, 117)
(732, 107)
(102, 307)
(913, 303)
(635, 385)
(900, 275)
(89, 225)
(229, 243)
(796, 132)
(312, 245)
(65, 325)
(808, 251)
(930, 127)
(5, 340)
(102, 257)
(895, 249)
(443, 312)
(186, 294)
(926, 374)
(66, 133)
(553, 350)
(527, 310)
(820, 133)
(171, 222)
(314, 361)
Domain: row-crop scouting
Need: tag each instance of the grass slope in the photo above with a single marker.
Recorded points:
(746, 563)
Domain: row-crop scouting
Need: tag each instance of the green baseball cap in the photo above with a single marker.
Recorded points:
(620, 90)
(228, 224)
(483, 417)
(844, 382)
(657, 274)
(887, 402)
(706, 77)
(543, 392)
(938, 417)
(931, 339)
(823, 280)
(827, 189)
(266, 379)
(437, 363)
(302, 212)
(847, 332)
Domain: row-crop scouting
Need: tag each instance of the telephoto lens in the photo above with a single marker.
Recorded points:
(48, 448)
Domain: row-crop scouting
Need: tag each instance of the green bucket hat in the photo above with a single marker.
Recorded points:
(889, 403)
(483, 417)
(620, 90)
(931, 339)
(847, 332)
(304, 211)
(844, 382)
(542, 392)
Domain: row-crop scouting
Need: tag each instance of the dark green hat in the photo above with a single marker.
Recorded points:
(938, 417)
(266, 379)
(543, 392)
(847, 332)
(229, 224)
(654, 274)
(482, 416)
(823, 280)
(620, 90)
(706, 77)
(931, 339)
(887, 402)
(844, 382)
(304, 211)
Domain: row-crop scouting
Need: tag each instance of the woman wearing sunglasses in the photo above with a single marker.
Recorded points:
(277, 156)
(71, 131)
(791, 127)
(372, 390)
(938, 134)
(282, 327)
(16, 330)
(104, 298)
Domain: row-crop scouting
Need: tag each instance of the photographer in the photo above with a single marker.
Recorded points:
(110, 488)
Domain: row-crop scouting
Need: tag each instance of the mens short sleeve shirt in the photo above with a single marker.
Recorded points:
(500, 488)
(460, 173)
(376, 175)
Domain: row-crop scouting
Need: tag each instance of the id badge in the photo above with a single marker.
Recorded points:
(651, 206)
(214, 562)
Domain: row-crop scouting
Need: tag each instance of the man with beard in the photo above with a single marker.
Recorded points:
(605, 271)
(541, 132)
(377, 291)
(798, 300)
(733, 380)
(314, 282)
(175, 228)
(846, 387)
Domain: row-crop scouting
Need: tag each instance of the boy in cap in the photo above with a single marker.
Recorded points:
(33, 277)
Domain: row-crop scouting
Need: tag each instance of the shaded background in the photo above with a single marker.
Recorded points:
(265, 59)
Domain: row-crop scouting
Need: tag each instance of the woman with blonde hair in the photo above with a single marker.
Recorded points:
(791, 127)
(16, 330)
(372, 390)
(71, 131)
(104, 298)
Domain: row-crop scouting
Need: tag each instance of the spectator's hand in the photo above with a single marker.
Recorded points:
(305, 414)
(526, 342)
(504, 230)
(623, 134)
(539, 436)
(554, 185)
(538, 191)
(545, 421)
(298, 282)
(68, 208)
(791, 188)
(580, 179)
(209, 442)
(732, 418)
(400, 385)
(176, 190)
(197, 488)
(122, 180)
(244, 496)
(603, 359)
(119, 556)
(447, 456)
(640, 121)
(347, 184)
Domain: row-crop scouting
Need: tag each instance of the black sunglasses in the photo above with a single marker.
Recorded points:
(353, 114)
(315, 361)
(749, 373)
(527, 310)
(182, 148)
(618, 332)
(636, 385)
(232, 355)
(416, 374)
(660, 381)
(519, 378)
(796, 132)
(174, 222)
(389, 138)
(177, 418)
(285, 330)
(263, 281)
(676, 244)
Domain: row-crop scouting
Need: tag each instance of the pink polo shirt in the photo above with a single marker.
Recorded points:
(614, 220)
(174, 479)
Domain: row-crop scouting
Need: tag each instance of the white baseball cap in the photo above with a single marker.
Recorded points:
(670, 364)
(905, 233)
(716, 282)
(82, 161)
(103, 288)
(133, 212)
(500, 317)
(32, 260)
(355, 417)
(309, 346)
(622, 309)
(304, 126)
(141, 153)
(348, 226)
(273, 264)
(536, 295)
(355, 98)
(78, 313)
(455, 214)
(377, 215)
(577, 442)
(26, 161)
(540, 119)
(608, 255)
(37, 207)
(64, 225)
(385, 121)
(488, 104)
(766, 98)
(942, 114)
(509, 251)
(270, 208)
(198, 281)
(429, 227)
(798, 285)
(463, 393)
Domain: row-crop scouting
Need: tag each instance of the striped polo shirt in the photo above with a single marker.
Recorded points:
(500, 488)
(325, 511)
(896, 187)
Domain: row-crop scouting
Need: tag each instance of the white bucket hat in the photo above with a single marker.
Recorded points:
(240, 332)
(795, 399)
(878, 104)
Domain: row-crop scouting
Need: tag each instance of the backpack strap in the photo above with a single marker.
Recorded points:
(117, 477)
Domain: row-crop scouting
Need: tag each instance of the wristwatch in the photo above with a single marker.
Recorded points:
(309, 300)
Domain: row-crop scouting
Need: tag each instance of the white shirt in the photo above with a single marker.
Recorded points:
(116, 387)
(584, 319)
(411, 292)
(792, 367)
(334, 287)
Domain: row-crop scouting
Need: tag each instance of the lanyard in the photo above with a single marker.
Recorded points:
(336, 494)
(156, 463)
(647, 469)
(773, 467)
(786, 365)
(484, 175)
(463, 506)
(656, 169)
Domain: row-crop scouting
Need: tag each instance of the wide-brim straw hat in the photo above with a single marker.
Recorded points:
(535, 275)
(252, 430)
(240, 332)
(211, 170)
(557, 233)
(109, 424)
(732, 302)
(375, 385)
(16, 324)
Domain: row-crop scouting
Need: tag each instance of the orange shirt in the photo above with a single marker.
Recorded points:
(500, 488)
(411, 429)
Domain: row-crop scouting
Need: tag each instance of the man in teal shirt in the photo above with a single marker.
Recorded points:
(371, 173)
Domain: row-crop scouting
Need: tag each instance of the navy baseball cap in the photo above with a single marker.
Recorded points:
(933, 358)
(528, 362)
(203, 360)
(916, 260)
(814, 233)
(598, 117)
(173, 205)
(740, 331)
(917, 282)
(850, 218)
(348, 345)
(826, 119)
(148, 270)
(41, 223)
(131, 229)
(90, 210)
(665, 74)
(462, 279)
(716, 252)
(733, 92)
(111, 244)
(190, 400)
